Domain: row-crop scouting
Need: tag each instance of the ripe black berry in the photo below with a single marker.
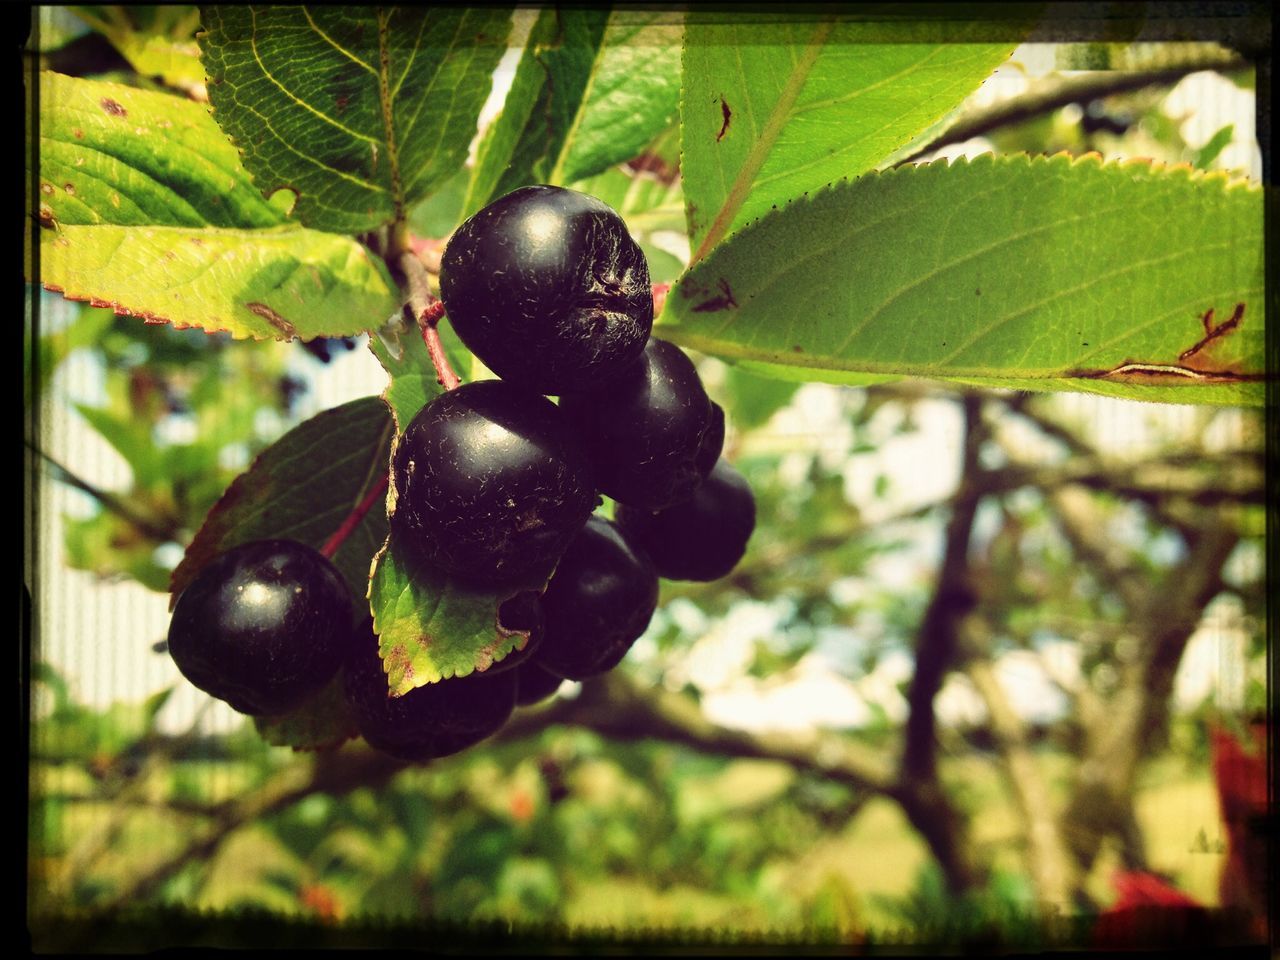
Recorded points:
(534, 684)
(490, 483)
(521, 612)
(647, 430)
(264, 626)
(712, 442)
(702, 538)
(546, 286)
(597, 604)
(432, 721)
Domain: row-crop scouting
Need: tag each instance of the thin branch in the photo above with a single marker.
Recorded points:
(354, 517)
(1079, 90)
(1049, 863)
(614, 706)
(109, 501)
(617, 706)
(427, 311)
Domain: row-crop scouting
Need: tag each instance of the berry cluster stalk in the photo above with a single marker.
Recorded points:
(354, 517)
(427, 311)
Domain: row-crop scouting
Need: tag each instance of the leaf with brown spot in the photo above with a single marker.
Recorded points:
(249, 279)
(303, 487)
(431, 627)
(1095, 276)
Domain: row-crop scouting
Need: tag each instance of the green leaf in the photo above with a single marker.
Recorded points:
(1217, 143)
(431, 627)
(157, 41)
(752, 399)
(111, 154)
(359, 111)
(322, 722)
(280, 283)
(524, 143)
(775, 106)
(302, 488)
(131, 438)
(633, 93)
(1040, 274)
(412, 382)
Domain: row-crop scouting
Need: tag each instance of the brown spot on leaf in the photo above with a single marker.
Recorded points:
(1212, 332)
(655, 166)
(77, 133)
(340, 103)
(70, 188)
(726, 113)
(1164, 374)
(273, 318)
(46, 188)
(722, 302)
(797, 349)
(113, 109)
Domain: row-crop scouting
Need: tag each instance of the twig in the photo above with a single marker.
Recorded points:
(1048, 861)
(1072, 90)
(427, 311)
(354, 517)
(109, 501)
(613, 705)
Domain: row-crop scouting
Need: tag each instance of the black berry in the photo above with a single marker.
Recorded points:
(547, 287)
(264, 626)
(534, 684)
(712, 442)
(521, 612)
(648, 430)
(432, 721)
(490, 483)
(597, 604)
(702, 538)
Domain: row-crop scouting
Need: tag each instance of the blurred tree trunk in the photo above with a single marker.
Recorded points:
(1125, 727)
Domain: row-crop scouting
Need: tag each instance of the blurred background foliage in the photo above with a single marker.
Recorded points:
(574, 818)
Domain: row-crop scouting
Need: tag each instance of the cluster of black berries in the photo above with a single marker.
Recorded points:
(495, 484)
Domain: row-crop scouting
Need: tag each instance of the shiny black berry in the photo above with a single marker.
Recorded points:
(522, 612)
(546, 286)
(702, 538)
(432, 721)
(653, 432)
(598, 603)
(534, 684)
(264, 626)
(491, 483)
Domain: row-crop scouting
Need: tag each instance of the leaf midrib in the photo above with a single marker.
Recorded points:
(742, 183)
(557, 172)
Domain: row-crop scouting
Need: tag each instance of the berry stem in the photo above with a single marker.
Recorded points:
(660, 291)
(427, 311)
(354, 517)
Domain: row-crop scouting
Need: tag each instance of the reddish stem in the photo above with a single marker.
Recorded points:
(431, 337)
(354, 517)
(660, 291)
